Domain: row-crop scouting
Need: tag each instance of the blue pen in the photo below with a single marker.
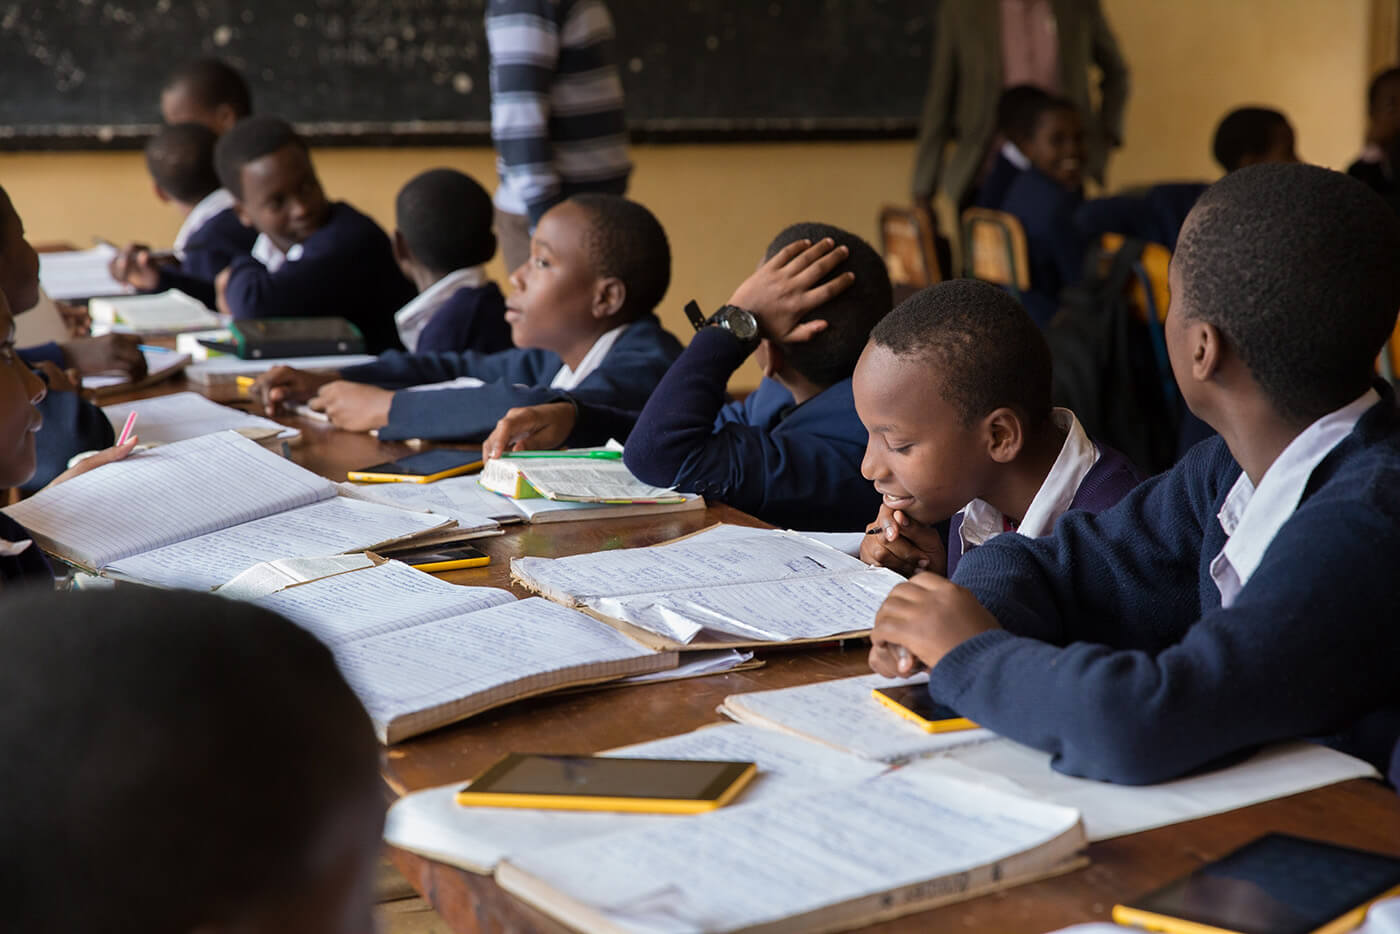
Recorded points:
(152, 348)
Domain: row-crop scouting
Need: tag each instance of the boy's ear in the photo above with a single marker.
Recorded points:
(1004, 434)
(161, 196)
(769, 357)
(402, 254)
(609, 295)
(1207, 349)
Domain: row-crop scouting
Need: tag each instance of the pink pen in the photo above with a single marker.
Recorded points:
(126, 429)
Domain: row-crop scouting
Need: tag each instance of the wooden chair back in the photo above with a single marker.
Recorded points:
(907, 243)
(994, 249)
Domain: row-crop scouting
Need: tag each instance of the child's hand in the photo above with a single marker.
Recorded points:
(110, 353)
(285, 384)
(785, 288)
(75, 318)
(899, 543)
(59, 380)
(354, 406)
(531, 428)
(135, 266)
(115, 453)
(927, 617)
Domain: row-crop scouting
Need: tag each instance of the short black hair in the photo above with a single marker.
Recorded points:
(140, 726)
(979, 343)
(445, 217)
(180, 159)
(1034, 110)
(626, 241)
(1373, 90)
(1018, 108)
(1299, 269)
(248, 141)
(212, 82)
(1245, 131)
(831, 355)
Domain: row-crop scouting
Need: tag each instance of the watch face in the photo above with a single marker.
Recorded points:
(740, 323)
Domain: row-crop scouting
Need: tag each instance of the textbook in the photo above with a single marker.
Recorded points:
(903, 841)
(183, 415)
(421, 653)
(725, 587)
(80, 274)
(161, 365)
(196, 513)
(169, 312)
(591, 475)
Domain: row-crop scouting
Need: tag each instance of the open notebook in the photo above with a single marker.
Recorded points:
(168, 312)
(74, 274)
(183, 415)
(727, 586)
(420, 652)
(195, 513)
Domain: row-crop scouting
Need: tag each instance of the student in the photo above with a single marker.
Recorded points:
(790, 452)
(1246, 596)
(143, 800)
(443, 239)
(180, 159)
(1044, 198)
(1376, 164)
(954, 387)
(581, 319)
(206, 91)
(1017, 110)
(311, 257)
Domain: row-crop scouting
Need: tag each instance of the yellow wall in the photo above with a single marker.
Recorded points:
(1192, 60)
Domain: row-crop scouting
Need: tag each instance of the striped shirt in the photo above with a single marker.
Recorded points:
(556, 102)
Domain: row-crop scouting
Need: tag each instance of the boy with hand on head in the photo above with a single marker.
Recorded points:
(1246, 596)
(311, 256)
(180, 159)
(790, 452)
(954, 388)
(147, 719)
(206, 91)
(581, 318)
(443, 239)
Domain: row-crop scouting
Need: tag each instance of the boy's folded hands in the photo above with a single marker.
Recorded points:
(897, 542)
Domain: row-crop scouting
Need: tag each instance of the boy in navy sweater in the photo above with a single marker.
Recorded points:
(1017, 111)
(581, 319)
(1246, 596)
(954, 387)
(180, 159)
(311, 257)
(790, 452)
(443, 239)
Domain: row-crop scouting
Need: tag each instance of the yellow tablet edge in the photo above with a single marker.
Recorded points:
(928, 726)
(364, 476)
(1126, 914)
(594, 803)
(455, 564)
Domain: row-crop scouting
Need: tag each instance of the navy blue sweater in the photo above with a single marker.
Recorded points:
(208, 251)
(1155, 216)
(472, 318)
(516, 377)
(796, 466)
(346, 270)
(71, 424)
(1117, 657)
(1053, 242)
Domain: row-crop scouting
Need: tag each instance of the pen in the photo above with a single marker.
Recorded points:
(126, 429)
(152, 348)
(596, 455)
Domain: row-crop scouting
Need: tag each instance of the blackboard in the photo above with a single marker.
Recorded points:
(87, 73)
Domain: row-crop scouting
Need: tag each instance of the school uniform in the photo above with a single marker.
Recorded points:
(1085, 475)
(1155, 216)
(1053, 242)
(621, 369)
(1009, 163)
(795, 466)
(210, 238)
(1201, 617)
(461, 311)
(22, 563)
(345, 269)
(71, 424)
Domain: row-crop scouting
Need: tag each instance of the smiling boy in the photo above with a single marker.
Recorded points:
(312, 257)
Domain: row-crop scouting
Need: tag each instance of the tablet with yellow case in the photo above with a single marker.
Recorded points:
(420, 468)
(605, 783)
(913, 703)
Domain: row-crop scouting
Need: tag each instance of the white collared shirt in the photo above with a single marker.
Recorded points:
(9, 549)
(982, 521)
(267, 253)
(412, 318)
(1012, 153)
(215, 202)
(568, 379)
(1251, 517)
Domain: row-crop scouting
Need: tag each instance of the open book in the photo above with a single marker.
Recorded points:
(183, 415)
(195, 513)
(578, 479)
(420, 652)
(168, 312)
(727, 586)
(73, 274)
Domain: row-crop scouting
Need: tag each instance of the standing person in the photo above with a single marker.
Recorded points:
(556, 111)
(982, 47)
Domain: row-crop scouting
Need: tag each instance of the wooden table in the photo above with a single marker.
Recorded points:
(1357, 813)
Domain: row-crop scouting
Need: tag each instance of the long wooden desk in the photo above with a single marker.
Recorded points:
(1357, 813)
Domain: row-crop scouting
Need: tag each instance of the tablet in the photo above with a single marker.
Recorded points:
(420, 468)
(604, 783)
(1278, 884)
(912, 701)
(441, 557)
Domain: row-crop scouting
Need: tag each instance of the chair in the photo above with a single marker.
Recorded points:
(909, 246)
(1149, 297)
(994, 249)
(1388, 362)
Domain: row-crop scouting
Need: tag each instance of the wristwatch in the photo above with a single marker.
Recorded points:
(737, 321)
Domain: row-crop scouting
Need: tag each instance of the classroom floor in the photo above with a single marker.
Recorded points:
(400, 910)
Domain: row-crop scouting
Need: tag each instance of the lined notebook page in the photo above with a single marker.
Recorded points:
(325, 528)
(165, 495)
(485, 658)
(375, 601)
(432, 823)
(739, 867)
(73, 274)
(182, 415)
(581, 478)
(460, 498)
